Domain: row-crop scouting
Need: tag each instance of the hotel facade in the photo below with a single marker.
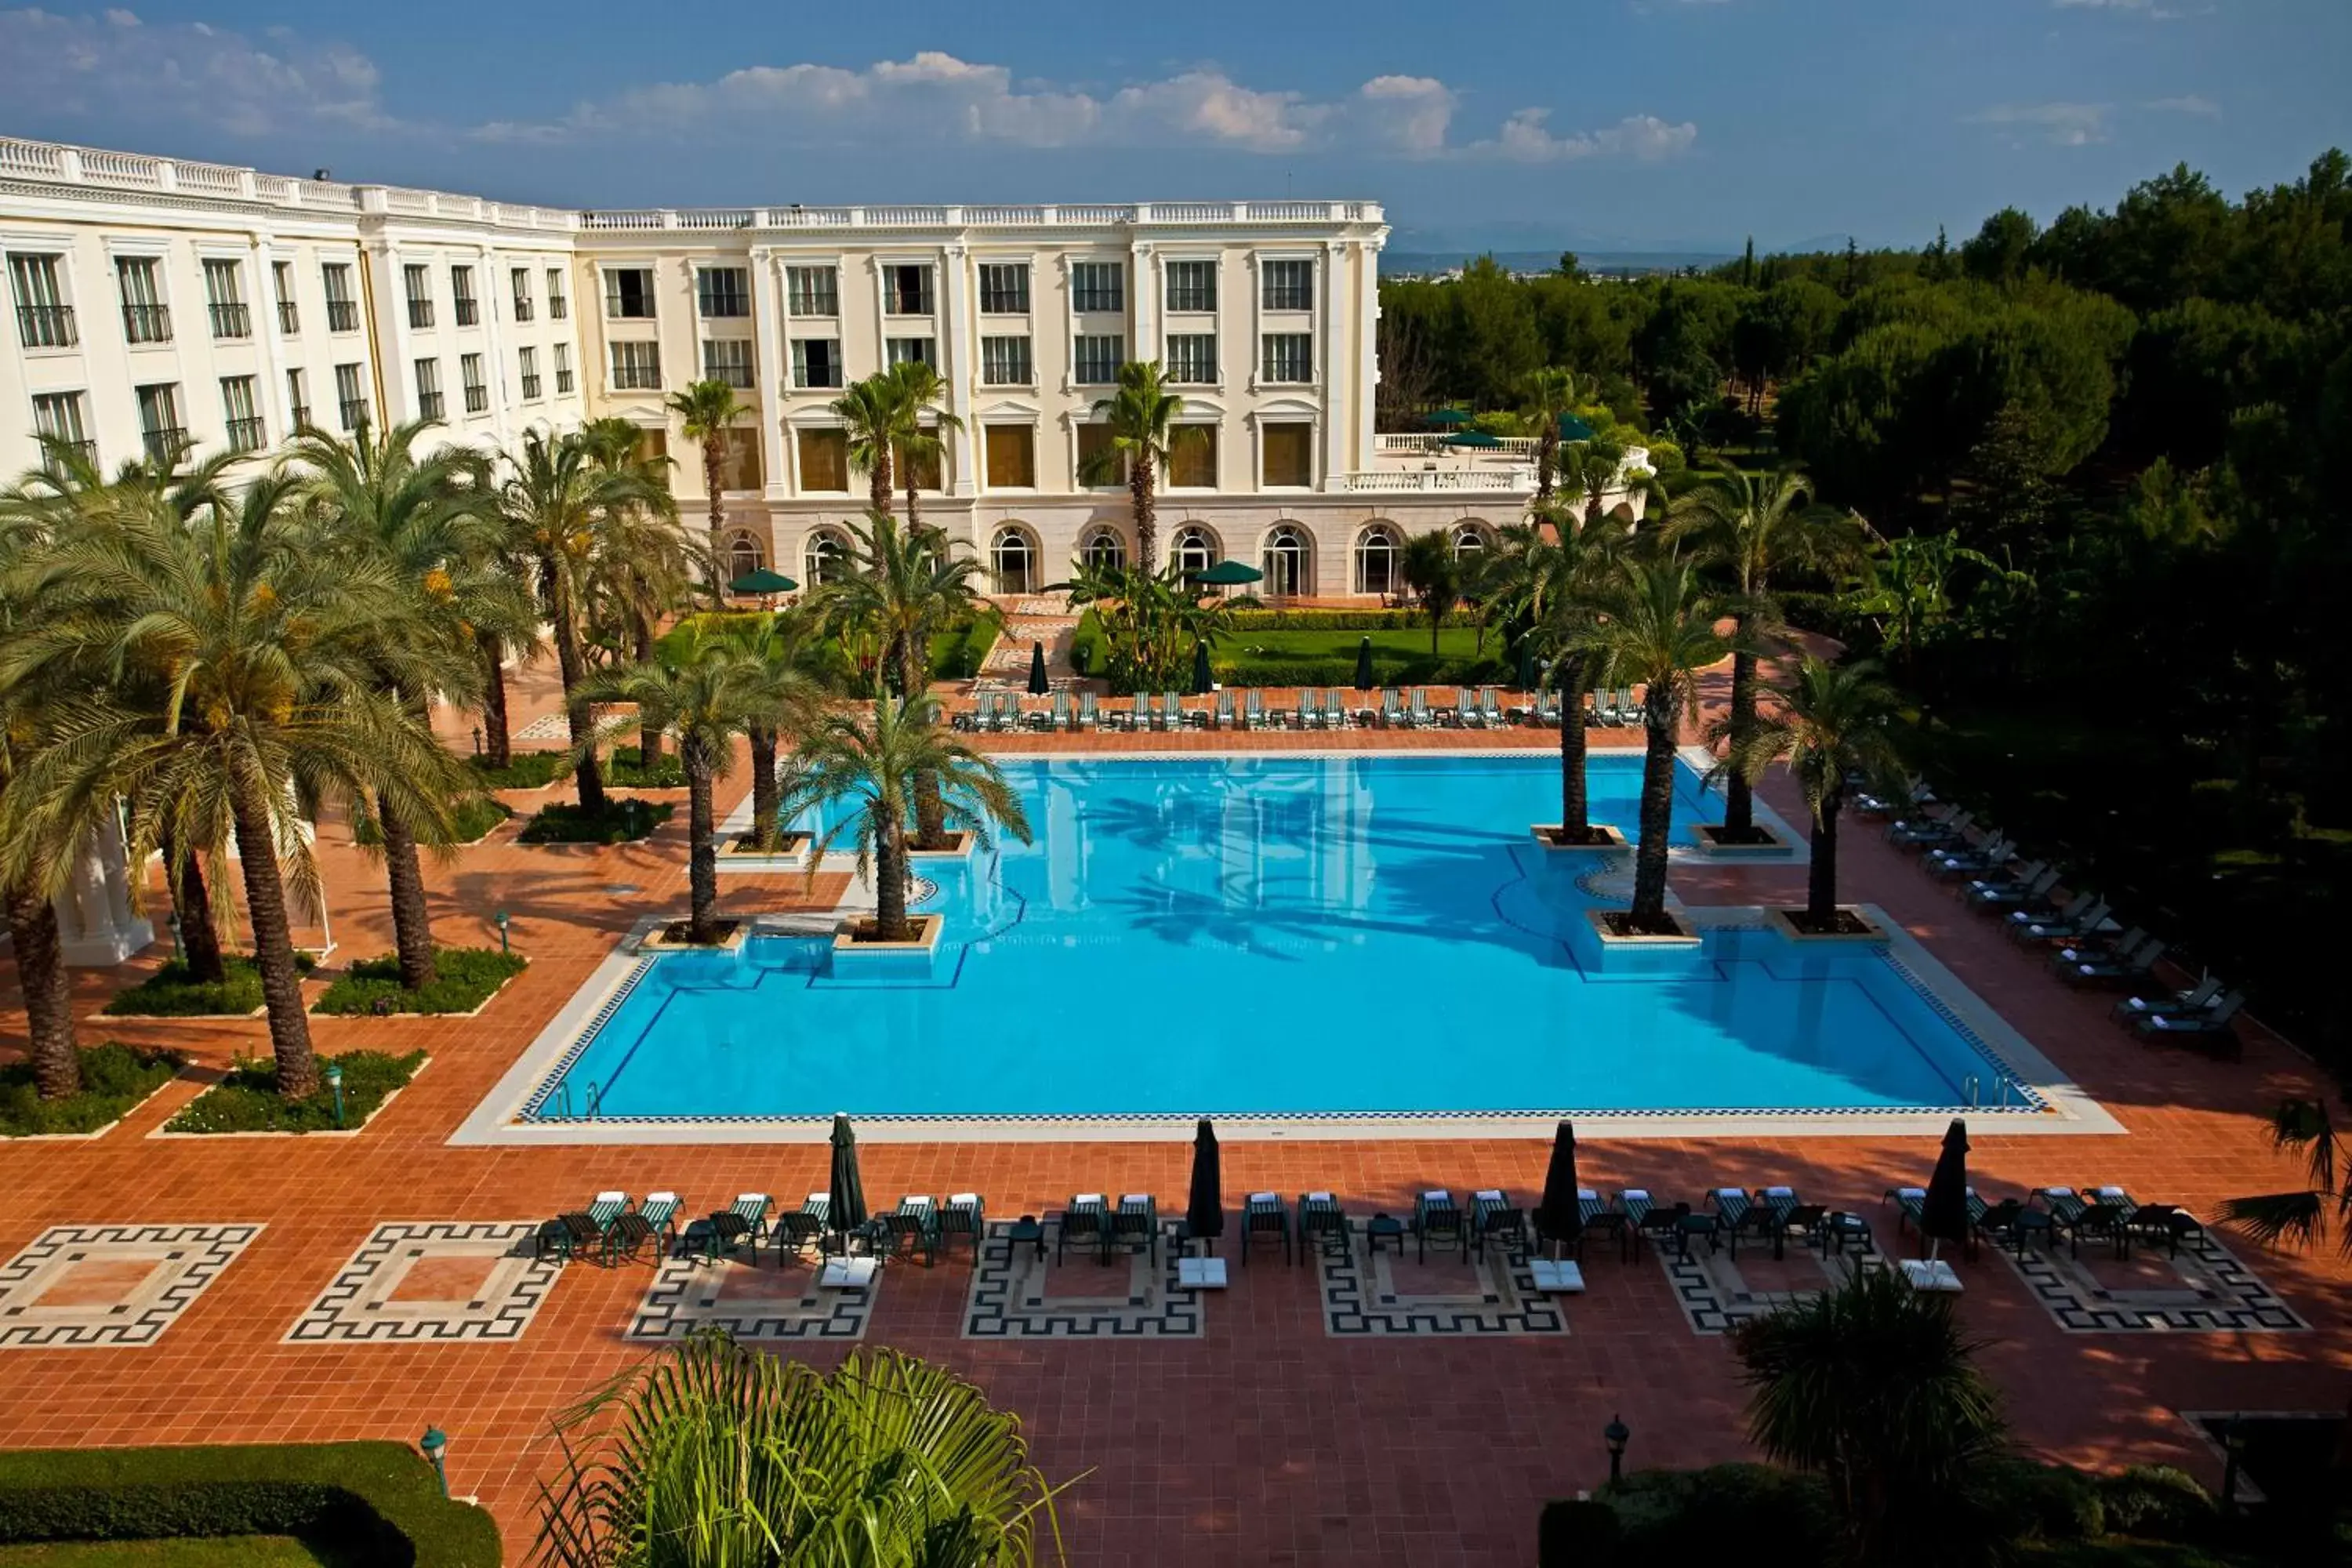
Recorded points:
(159, 301)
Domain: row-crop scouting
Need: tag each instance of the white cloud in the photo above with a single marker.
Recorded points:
(2060, 124)
(1527, 137)
(2188, 103)
(114, 67)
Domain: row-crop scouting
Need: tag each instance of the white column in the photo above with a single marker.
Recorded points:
(493, 293)
(956, 366)
(272, 404)
(95, 921)
(767, 345)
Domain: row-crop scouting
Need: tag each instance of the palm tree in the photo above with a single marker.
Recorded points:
(1141, 418)
(1550, 393)
(1834, 721)
(1874, 1386)
(915, 388)
(707, 410)
(868, 414)
(1589, 471)
(1756, 528)
(722, 1453)
(1552, 584)
(778, 647)
(640, 569)
(874, 763)
(262, 653)
(1433, 572)
(1151, 621)
(2302, 1127)
(1655, 627)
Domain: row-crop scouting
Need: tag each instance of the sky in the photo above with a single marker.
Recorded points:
(1598, 124)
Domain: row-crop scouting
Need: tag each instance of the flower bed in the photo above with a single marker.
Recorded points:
(469, 976)
(248, 1100)
(621, 822)
(114, 1078)
(169, 992)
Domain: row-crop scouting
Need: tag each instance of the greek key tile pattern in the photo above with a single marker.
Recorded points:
(80, 1287)
(749, 1301)
(2204, 1291)
(445, 1282)
(1020, 1292)
(1391, 1292)
(546, 726)
(1717, 1298)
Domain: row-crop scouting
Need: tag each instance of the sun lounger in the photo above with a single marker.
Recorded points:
(1417, 712)
(2120, 967)
(2162, 1224)
(963, 1218)
(1309, 709)
(1392, 708)
(1086, 1219)
(1464, 713)
(2081, 916)
(2196, 999)
(655, 1220)
(1172, 711)
(1222, 716)
(1988, 856)
(567, 1236)
(1335, 710)
(1264, 1214)
(1489, 710)
(1058, 712)
(913, 1227)
(1136, 715)
(2022, 889)
(1493, 1217)
(803, 1228)
(743, 1223)
(1434, 1216)
(1929, 833)
(1252, 709)
(1135, 1224)
(1322, 1219)
(1088, 716)
(1621, 713)
(1910, 1201)
(2215, 1021)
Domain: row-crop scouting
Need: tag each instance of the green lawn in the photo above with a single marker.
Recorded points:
(206, 1552)
(1413, 642)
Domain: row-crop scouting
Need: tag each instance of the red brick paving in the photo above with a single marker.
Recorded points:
(1264, 1441)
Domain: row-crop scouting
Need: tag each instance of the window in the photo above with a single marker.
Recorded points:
(477, 390)
(1094, 360)
(343, 312)
(1005, 288)
(428, 389)
(281, 285)
(527, 362)
(827, 554)
(563, 353)
(43, 321)
(652, 448)
(1104, 551)
(1284, 561)
(57, 415)
(1005, 361)
(244, 432)
(419, 283)
(462, 305)
(812, 292)
(1014, 559)
(906, 291)
(1288, 285)
(739, 459)
(1376, 562)
(825, 461)
(923, 466)
(1469, 539)
(1098, 286)
(558, 305)
(1011, 456)
(160, 429)
(816, 361)
(1193, 459)
(727, 360)
(518, 284)
(744, 556)
(722, 291)
(225, 300)
(1193, 359)
(1191, 285)
(1095, 447)
(636, 367)
(920, 351)
(629, 294)
(1193, 549)
(1289, 356)
(144, 318)
(298, 399)
(1289, 454)
(350, 395)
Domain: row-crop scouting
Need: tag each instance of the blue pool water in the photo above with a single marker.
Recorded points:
(1276, 936)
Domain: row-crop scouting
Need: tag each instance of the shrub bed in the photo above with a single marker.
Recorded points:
(169, 992)
(114, 1078)
(469, 976)
(376, 1504)
(957, 655)
(1089, 645)
(248, 1100)
(627, 769)
(524, 770)
(1342, 672)
(473, 820)
(1245, 621)
(621, 822)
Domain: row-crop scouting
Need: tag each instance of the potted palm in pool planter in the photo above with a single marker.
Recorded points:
(869, 766)
(1554, 584)
(1834, 723)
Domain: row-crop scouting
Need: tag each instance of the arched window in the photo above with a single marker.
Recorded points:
(1194, 549)
(1105, 551)
(828, 557)
(1015, 558)
(1469, 538)
(1285, 562)
(1376, 561)
(744, 556)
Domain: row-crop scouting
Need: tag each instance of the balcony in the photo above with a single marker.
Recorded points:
(563, 383)
(420, 313)
(300, 415)
(289, 320)
(342, 316)
(164, 444)
(54, 446)
(522, 309)
(355, 411)
(530, 389)
(468, 313)
(147, 323)
(478, 399)
(230, 320)
(246, 434)
(558, 308)
(428, 407)
(47, 326)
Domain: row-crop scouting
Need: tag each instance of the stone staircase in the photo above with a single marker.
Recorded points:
(1027, 621)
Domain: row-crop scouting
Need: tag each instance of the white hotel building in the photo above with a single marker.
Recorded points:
(156, 301)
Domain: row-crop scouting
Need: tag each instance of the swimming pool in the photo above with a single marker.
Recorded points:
(1278, 936)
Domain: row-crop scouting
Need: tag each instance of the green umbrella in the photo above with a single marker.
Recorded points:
(1364, 681)
(848, 1191)
(1228, 574)
(1446, 418)
(1571, 428)
(1473, 438)
(1038, 684)
(763, 582)
(1201, 679)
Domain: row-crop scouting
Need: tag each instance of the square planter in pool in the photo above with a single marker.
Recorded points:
(908, 960)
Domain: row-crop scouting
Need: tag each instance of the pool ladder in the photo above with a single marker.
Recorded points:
(1972, 1083)
(563, 1109)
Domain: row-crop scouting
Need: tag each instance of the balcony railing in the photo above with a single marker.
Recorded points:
(47, 326)
(355, 412)
(147, 323)
(562, 382)
(468, 313)
(558, 308)
(342, 316)
(53, 446)
(617, 309)
(530, 388)
(420, 313)
(301, 416)
(246, 434)
(165, 443)
(289, 320)
(231, 321)
(428, 407)
(522, 309)
(1496, 481)
(478, 399)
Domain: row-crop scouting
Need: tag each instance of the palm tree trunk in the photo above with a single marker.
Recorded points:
(1738, 795)
(712, 452)
(764, 803)
(1820, 877)
(48, 1003)
(914, 505)
(1146, 524)
(701, 849)
(273, 946)
(930, 809)
(1575, 801)
(890, 885)
(1649, 911)
(191, 901)
(411, 918)
(877, 483)
(649, 736)
(1547, 453)
(576, 717)
(498, 746)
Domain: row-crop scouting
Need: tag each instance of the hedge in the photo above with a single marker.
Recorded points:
(473, 819)
(960, 657)
(1089, 645)
(378, 1503)
(114, 1078)
(1342, 672)
(1247, 621)
(248, 1099)
(467, 977)
(524, 770)
(169, 992)
(624, 820)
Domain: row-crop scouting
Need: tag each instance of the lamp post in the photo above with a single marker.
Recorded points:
(179, 947)
(2233, 1448)
(501, 918)
(334, 1077)
(434, 1442)
(1616, 1434)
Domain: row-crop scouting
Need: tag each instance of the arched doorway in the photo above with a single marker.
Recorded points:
(1285, 562)
(1105, 549)
(1377, 549)
(744, 556)
(1013, 557)
(827, 557)
(1194, 549)
(1469, 539)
